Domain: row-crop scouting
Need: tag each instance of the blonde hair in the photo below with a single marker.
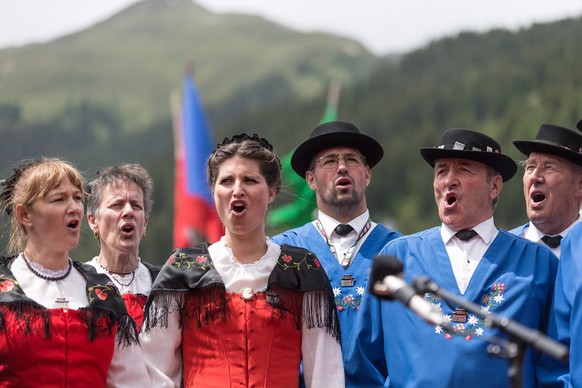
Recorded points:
(30, 182)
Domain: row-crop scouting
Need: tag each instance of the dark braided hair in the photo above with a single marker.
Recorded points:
(245, 146)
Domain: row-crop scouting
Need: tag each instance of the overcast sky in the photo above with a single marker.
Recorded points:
(383, 26)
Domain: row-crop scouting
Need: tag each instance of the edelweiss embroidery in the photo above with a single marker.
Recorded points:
(474, 326)
(348, 301)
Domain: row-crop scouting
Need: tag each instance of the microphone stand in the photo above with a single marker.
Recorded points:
(519, 335)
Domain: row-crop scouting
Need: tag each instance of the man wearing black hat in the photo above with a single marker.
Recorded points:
(336, 161)
(469, 257)
(566, 318)
(552, 184)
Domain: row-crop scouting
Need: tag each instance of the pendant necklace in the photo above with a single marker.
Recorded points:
(118, 277)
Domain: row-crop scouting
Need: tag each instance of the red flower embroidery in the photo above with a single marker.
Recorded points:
(499, 287)
(468, 338)
(171, 259)
(317, 263)
(340, 308)
(286, 258)
(100, 294)
(6, 286)
(201, 259)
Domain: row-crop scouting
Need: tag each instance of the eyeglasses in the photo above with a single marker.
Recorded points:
(332, 161)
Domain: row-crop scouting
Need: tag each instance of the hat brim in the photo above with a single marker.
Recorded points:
(502, 163)
(526, 147)
(306, 151)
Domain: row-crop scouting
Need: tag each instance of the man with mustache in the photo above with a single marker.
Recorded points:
(469, 257)
(552, 184)
(336, 161)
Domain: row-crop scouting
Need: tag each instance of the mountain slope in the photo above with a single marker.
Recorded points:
(135, 58)
(503, 83)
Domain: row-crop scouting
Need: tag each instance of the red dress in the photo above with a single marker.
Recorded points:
(232, 339)
(64, 347)
(255, 347)
(62, 360)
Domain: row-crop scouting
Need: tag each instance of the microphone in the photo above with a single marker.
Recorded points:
(386, 283)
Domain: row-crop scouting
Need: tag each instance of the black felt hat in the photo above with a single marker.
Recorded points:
(554, 140)
(335, 134)
(468, 144)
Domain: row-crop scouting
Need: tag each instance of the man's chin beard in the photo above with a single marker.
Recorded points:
(344, 203)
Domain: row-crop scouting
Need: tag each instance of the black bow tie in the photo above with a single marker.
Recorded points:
(343, 229)
(466, 234)
(552, 241)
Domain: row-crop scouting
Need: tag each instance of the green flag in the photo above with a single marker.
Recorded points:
(301, 210)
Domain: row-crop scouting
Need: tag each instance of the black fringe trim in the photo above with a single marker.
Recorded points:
(30, 318)
(312, 309)
(204, 306)
(105, 315)
(103, 323)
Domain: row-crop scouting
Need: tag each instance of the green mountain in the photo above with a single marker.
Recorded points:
(503, 83)
(134, 59)
(100, 97)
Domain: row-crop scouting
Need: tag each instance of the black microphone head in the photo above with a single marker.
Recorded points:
(423, 285)
(382, 266)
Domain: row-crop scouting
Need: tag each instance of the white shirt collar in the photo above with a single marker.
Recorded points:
(486, 230)
(533, 234)
(329, 223)
(237, 276)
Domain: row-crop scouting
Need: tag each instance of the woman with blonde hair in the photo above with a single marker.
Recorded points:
(61, 323)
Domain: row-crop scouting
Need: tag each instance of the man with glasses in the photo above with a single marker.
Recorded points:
(566, 318)
(336, 162)
(552, 185)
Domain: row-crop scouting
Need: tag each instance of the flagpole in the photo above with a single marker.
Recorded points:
(301, 209)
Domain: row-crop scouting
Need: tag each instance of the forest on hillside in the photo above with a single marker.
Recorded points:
(503, 83)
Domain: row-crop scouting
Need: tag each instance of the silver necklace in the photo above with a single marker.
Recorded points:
(119, 277)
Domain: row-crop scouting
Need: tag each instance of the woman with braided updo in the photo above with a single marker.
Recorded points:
(61, 323)
(243, 311)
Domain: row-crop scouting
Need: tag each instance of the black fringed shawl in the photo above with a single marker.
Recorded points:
(106, 309)
(189, 283)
